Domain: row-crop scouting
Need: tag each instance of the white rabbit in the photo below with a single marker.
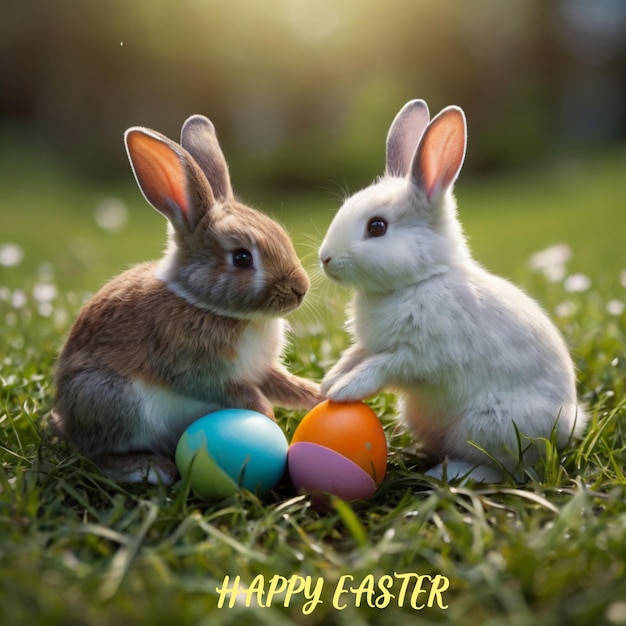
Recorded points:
(164, 343)
(477, 362)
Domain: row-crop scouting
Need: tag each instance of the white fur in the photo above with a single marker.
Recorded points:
(259, 270)
(261, 343)
(417, 253)
(162, 412)
(473, 356)
(461, 471)
(152, 475)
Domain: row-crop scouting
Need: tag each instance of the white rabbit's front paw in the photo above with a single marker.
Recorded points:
(343, 372)
(349, 389)
(355, 379)
(334, 380)
(463, 471)
(339, 393)
(328, 383)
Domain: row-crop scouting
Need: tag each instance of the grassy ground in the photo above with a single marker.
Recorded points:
(77, 549)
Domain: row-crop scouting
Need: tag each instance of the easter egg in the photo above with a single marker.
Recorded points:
(232, 449)
(338, 449)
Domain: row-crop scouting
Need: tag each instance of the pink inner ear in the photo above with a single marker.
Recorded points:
(430, 173)
(438, 167)
(441, 154)
(160, 173)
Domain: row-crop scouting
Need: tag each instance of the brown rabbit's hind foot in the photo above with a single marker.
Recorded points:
(138, 467)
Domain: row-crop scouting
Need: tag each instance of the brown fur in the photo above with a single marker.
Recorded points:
(161, 333)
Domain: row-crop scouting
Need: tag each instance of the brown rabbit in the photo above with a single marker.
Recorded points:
(165, 343)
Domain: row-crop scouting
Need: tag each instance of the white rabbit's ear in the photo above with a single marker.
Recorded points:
(198, 137)
(168, 177)
(441, 152)
(404, 135)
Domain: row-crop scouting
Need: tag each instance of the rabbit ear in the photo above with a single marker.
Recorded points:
(441, 152)
(404, 135)
(199, 139)
(168, 177)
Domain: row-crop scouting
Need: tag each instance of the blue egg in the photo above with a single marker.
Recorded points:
(232, 449)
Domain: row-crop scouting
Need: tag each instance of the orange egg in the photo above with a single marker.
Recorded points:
(350, 429)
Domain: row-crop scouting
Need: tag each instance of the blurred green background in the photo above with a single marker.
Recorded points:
(302, 93)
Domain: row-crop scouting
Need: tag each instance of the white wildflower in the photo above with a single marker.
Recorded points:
(61, 318)
(615, 307)
(616, 612)
(111, 214)
(577, 282)
(18, 299)
(565, 309)
(558, 254)
(44, 292)
(551, 261)
(45, 309)
(555, 273)
(10, 254)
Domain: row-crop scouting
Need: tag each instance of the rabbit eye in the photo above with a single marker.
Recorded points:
(376, 227)
(242, 258)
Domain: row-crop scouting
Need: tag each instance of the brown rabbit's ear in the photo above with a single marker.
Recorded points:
(198, 137)
(168, 177)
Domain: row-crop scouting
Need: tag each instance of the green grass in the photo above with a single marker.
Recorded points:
(78, 549)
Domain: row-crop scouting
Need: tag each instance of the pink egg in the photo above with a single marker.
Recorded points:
(314, 468)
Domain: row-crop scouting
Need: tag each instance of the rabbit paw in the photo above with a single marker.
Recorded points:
(331, 380)
(343, 370)
(463, 471)
(138, 467)
(350, 389)
(327, 384)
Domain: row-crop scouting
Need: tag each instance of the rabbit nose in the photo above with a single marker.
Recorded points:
(299, 285)
(299, 290)
(299, 294)
(325, 260)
